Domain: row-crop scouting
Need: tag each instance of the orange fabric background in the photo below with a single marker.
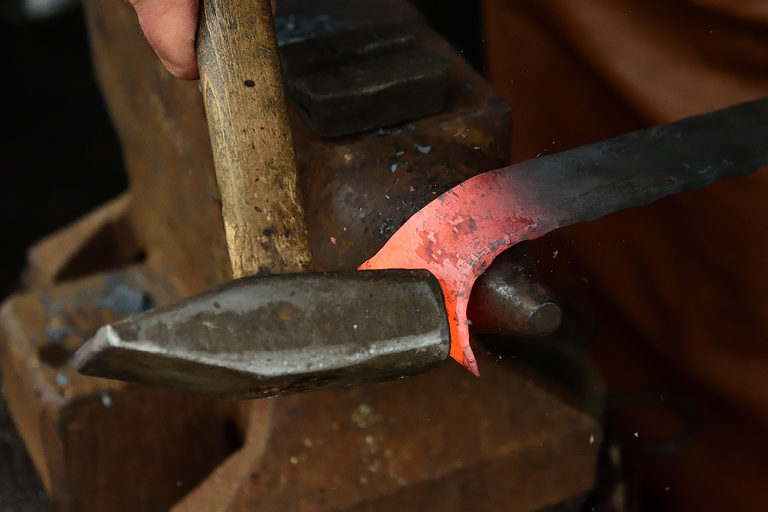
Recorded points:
(674, 295)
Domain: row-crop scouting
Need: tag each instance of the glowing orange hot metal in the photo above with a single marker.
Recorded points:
(456, 237)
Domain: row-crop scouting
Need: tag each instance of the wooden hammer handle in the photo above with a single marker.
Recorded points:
(252, 144)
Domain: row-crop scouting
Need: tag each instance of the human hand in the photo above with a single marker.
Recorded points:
(170, 27)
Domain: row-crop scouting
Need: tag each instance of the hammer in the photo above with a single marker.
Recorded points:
(321, 329)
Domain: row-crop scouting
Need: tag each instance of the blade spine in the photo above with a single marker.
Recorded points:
(550, 179)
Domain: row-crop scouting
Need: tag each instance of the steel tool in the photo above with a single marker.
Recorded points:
(264, 336)
(455, 238)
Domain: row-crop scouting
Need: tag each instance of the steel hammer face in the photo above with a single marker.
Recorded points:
(265, 336)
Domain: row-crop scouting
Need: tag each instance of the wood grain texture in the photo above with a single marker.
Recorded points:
(251, 139)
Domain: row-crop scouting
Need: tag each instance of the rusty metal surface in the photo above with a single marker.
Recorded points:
(175, 203)
(100, 240)
(502, 442)
(358, 191)
(87, 437)
(273, 335)
(168, 158)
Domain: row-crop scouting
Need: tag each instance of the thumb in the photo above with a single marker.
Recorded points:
(170, 27)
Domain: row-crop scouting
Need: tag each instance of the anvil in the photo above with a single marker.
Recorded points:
(454, 238)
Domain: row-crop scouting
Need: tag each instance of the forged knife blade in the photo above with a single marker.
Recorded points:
(457, 236)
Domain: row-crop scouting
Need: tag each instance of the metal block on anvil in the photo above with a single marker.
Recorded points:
(363, 78)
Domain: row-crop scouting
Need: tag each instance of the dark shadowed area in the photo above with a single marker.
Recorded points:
(59, 158)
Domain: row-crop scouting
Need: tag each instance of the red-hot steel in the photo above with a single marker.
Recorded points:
(456, 237)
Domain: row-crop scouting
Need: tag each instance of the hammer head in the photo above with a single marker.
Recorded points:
(266, 336)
